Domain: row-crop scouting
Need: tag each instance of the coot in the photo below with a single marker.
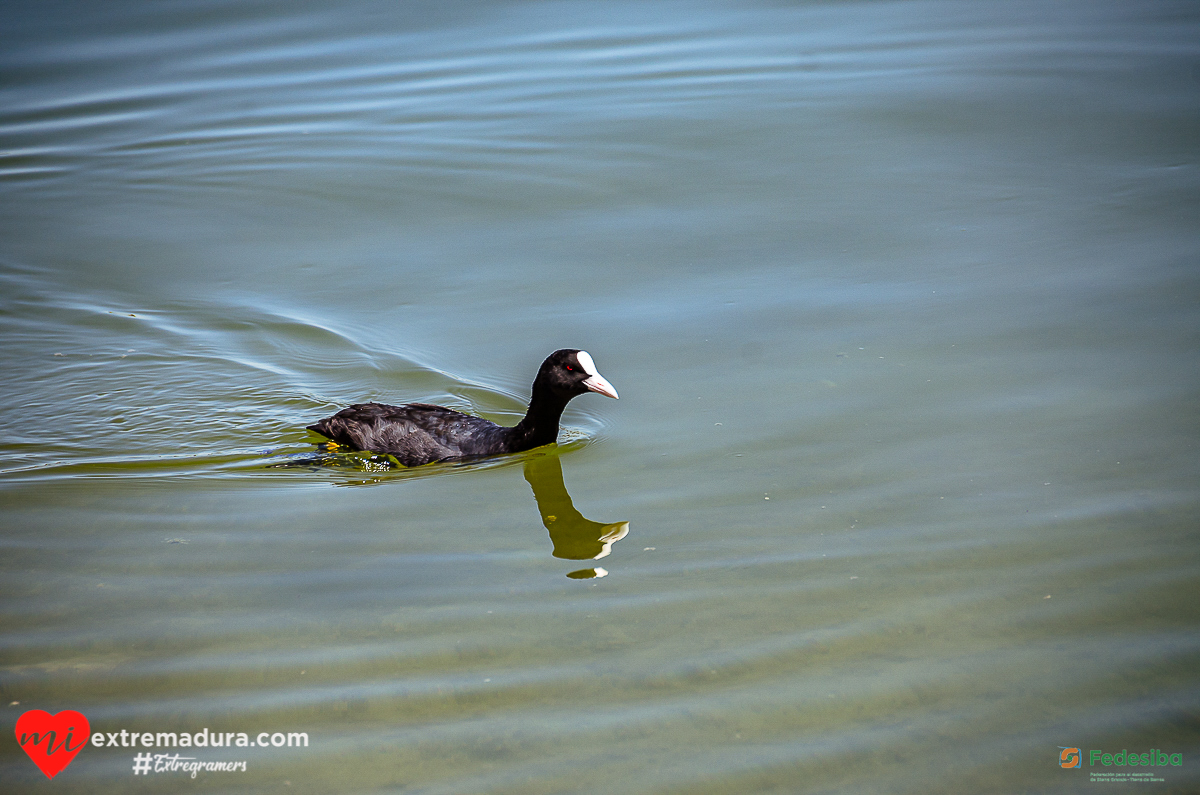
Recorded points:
(419, 433)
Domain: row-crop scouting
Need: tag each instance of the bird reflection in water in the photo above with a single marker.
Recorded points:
(574, 537)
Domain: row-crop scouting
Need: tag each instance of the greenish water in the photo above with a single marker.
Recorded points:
(902, 300)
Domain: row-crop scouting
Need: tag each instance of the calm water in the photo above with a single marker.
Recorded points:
(902, 300)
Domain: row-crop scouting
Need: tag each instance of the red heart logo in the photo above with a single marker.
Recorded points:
(50, 739)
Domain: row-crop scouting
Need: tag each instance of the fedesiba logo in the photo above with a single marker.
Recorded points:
(1073, 757)
(1153, 757)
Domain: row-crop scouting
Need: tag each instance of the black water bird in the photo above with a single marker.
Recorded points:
(420, 433)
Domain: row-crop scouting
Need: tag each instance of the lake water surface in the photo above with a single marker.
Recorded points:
(902, 299)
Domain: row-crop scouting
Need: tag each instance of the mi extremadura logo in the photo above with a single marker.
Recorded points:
(53, 741)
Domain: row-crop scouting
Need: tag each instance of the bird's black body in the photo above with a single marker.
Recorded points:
(421, 433)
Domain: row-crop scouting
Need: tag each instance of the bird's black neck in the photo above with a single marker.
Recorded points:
(540, 425)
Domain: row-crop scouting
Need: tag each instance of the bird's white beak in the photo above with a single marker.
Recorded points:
(596, 383)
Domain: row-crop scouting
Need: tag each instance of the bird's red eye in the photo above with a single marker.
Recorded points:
(569, 367)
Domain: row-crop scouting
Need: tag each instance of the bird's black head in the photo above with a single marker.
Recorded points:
(571, 372)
